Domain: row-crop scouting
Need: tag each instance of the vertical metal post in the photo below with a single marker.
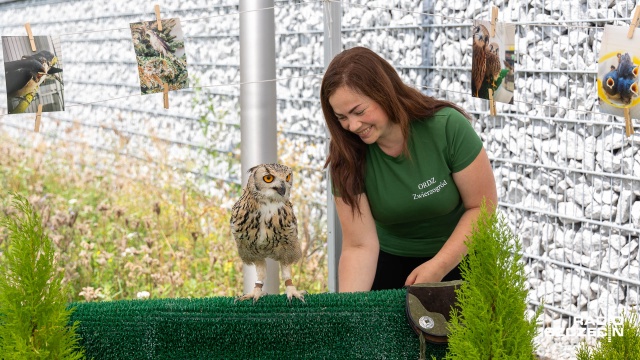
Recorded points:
(258, 104)
(332, 47)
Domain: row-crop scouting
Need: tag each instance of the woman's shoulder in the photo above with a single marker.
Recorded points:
(441, 118)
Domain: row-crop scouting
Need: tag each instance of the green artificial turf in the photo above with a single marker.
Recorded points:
(368, 325)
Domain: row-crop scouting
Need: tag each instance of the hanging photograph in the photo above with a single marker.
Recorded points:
(493, 61)
(160, 55)
(618, 66)
(32, 77)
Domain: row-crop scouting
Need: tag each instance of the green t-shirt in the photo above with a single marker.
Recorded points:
(414, 201)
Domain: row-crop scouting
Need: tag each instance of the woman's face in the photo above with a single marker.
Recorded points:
(360, 115)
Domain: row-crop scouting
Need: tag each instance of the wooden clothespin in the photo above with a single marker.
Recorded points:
(38, 117)
(494, 20)
(27, 26)
(492, 103)
(156, 8)
(166, 96)
(634, 22)
(628, 123)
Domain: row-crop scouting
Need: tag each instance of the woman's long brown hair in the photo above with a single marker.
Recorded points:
(366, 73)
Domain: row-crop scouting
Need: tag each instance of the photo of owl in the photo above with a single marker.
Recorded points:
(618, 70)
(493, 61)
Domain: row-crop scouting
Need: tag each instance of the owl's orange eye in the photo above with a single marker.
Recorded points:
(267, 178)
(288, 177)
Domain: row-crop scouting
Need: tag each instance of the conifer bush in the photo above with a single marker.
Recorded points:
(615, 346)
(34, 320)
(491, 322)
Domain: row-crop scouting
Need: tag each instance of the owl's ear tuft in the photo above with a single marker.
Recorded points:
(253, 169)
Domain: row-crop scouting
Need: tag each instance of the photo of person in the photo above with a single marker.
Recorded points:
(493, 61)
(32, 78)
(618, 67)
(160, 55)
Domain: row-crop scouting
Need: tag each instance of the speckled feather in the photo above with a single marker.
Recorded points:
(262, 221)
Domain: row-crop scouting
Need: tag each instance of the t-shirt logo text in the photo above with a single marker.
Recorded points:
(425, 185)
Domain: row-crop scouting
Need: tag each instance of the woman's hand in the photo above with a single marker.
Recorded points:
(428, 272)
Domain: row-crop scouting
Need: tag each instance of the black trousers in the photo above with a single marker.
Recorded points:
(392, 271)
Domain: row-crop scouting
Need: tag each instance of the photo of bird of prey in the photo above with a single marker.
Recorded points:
(32, 78)
(493, 61)
(160, 55)
(618, 70)
(264, 226)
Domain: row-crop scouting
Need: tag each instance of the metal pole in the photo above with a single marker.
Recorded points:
(258, 105)
(332, 47)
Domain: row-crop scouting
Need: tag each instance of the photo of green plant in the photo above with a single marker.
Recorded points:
(160, 55)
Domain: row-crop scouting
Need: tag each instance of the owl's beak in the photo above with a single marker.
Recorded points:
(281, 190)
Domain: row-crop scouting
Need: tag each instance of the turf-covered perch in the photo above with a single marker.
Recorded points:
(368, 325)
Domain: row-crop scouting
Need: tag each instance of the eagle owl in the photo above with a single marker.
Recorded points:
(264, 225)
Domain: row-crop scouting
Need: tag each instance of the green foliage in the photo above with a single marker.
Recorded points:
(118, 235)
(615, 346)
(491, 323)
(32, 298)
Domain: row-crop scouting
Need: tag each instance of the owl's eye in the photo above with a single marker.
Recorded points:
(267, 178)
(288, 177)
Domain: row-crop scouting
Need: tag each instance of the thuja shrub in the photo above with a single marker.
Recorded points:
(620, 342)
(491, 322)
(34, 319)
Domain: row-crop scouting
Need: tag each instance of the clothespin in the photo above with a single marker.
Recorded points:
(156, 8)
(38, 117)
(628, 123)
(27, 26)
(492, 103)
(634, 22)
(166, 96)
(494, 19)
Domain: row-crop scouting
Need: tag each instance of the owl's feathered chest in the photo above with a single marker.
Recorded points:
(263, 228)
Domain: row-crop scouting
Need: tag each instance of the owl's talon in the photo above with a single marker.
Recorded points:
(256, 294)
(292, 291)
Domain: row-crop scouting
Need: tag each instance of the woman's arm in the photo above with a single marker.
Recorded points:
(360, 247)
(475, 183)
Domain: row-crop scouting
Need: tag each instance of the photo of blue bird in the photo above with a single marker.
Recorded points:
(621, 82)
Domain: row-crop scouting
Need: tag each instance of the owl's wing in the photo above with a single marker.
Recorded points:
(288, 249)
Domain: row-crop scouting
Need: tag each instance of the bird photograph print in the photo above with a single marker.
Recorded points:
(32, 77)
(493, 61)
(160, 55)
(618, 67)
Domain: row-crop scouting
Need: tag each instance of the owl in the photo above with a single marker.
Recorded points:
(264, 226)
(493, 64)
(480, 44)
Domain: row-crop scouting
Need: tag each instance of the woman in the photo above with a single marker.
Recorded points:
(409, 175)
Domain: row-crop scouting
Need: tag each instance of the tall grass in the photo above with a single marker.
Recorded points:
(118, 235)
